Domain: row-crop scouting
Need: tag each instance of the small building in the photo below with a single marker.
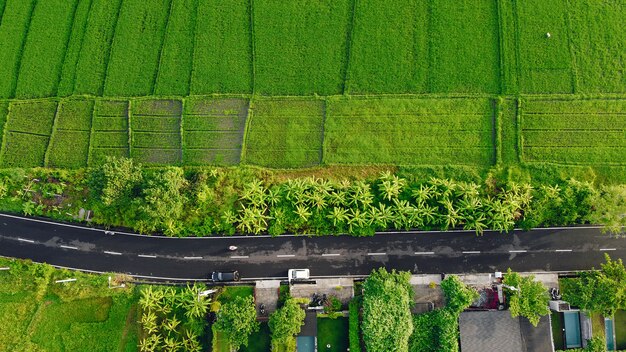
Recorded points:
(498, 331)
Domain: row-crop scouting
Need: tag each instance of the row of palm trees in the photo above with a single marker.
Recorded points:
(359, 207)
(172, 319)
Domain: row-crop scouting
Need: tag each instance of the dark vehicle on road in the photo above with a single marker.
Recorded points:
(223, 276)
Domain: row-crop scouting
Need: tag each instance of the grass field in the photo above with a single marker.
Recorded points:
(300, 39)
(584, 132)
(222, 57)
(333, 332)
(181, 47)
(384, 58)
(155, 126)
(285, 133)
(409, 131)
(136, 48)
(40, 315)
(69, 143)
(213, 131)
(109, 130)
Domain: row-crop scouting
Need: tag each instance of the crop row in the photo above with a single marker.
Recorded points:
(55, 48)
(75, 132)
(591, 131)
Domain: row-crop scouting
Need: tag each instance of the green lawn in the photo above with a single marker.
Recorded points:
(620, 329)
(259, 341)
(228, 293)
(557, 330)
(333, 332)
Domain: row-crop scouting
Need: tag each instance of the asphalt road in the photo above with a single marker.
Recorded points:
(556, 249)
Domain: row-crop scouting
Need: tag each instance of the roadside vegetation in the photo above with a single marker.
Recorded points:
(200, 202)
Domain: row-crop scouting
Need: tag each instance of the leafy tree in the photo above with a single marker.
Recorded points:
(163, 198)
(602, 291)
(458, 295)
(526, 297)
(611, 207)
(286, 322)
(115, 179)
(237, 320)
(387, 300)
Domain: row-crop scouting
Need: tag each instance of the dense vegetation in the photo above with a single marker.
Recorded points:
(599, 291)
(38, 314)
(199, 202)
(438, 330)
(526, 297)
(387, 300)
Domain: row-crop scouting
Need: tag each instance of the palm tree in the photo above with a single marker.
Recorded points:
(170, 344)
(149, 322)
(171, 324)
(254, 193)
(337, 197)
(423, 194)
(360, 194)
(190, 342)
(391, 185)
(150, 343)
(382, 215)
(358, 219)
(303, 212)
(338, 215)
(476, 223)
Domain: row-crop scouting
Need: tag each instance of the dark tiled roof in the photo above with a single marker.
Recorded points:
(497, 330)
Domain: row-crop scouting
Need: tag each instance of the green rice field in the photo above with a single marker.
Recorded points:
(301, 84)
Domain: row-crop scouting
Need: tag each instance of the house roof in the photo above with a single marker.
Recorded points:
(489, 330)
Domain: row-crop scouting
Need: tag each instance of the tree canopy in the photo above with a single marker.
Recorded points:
(387, 300)
(527, 298)
(237, 320)
(286, 322)
(602, 291)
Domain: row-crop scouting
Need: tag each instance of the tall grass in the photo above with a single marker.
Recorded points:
(13, 28)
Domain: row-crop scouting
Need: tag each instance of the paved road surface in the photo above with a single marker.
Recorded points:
(557, 249)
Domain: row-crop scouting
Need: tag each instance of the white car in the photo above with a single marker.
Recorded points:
(298, 274)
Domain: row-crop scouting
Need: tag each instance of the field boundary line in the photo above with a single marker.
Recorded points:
(4, 6)
(570, 48)
(82, 41)
(497, 129)
(110, 48)
(155, 78)
(518, 129)
(246, 132)
(129, 114)
(53, 129)
(5, 131)
(252, 50)
(349, 38)
(181, 130)
(322, 131)
(18, 63)
(67, 44)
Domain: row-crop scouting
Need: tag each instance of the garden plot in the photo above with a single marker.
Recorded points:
(586, 132)
(300, 47)
(26, 133)
(222, 60)
(213, 130)
(13, 27)
(285, 133)
(69, 144)
(49, 31)
(545, 63)
(136, 48)
(109, 130)
(155, 126)
(409, 131)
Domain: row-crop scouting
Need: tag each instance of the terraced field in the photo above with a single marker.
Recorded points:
(207, 82)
